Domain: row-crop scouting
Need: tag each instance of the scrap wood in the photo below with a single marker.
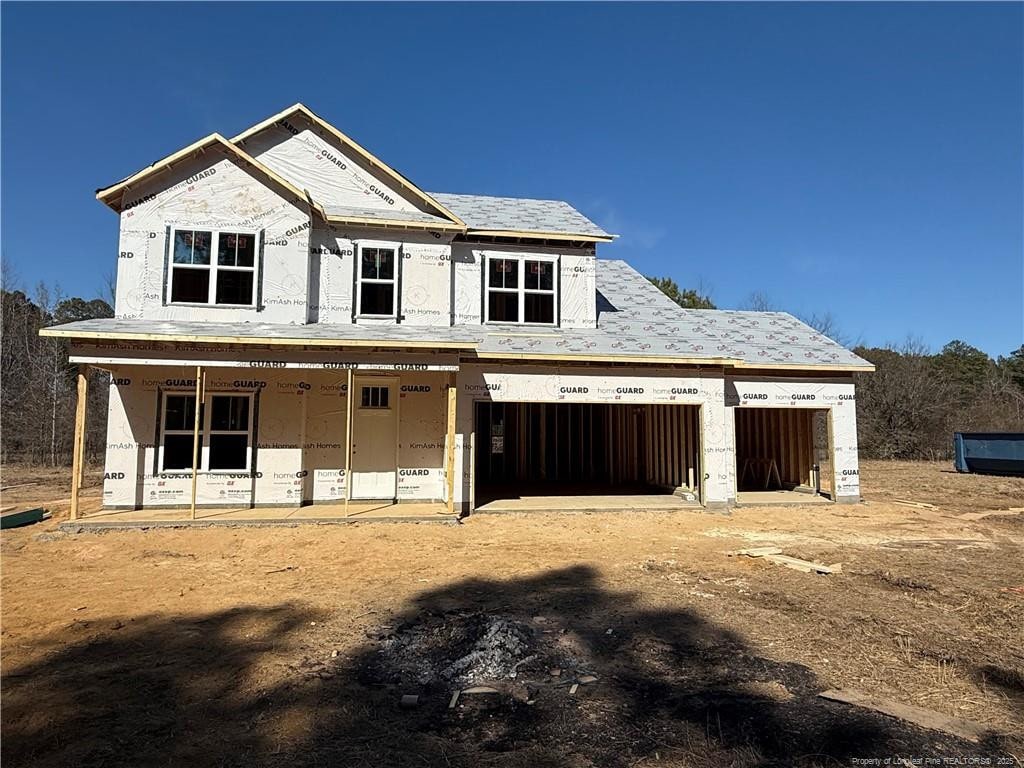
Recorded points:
(19, 485)
(757, 551)
(774, 555)
(926, 718)
(918, 504)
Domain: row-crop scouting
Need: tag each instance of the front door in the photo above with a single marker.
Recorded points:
(375, 438)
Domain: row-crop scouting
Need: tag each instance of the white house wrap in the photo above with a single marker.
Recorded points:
(347, 336)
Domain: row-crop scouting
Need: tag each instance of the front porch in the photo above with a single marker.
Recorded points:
(356, 511)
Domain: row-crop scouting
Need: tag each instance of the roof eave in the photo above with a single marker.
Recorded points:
(541, 235)
(395, 223)
(292, 341)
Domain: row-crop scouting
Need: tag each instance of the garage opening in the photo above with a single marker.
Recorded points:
(645, 456)
(780, 454)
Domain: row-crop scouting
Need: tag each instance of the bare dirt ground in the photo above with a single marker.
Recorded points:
(294, 646)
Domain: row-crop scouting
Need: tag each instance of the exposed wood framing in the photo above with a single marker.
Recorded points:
(780, 435)
(78, 447)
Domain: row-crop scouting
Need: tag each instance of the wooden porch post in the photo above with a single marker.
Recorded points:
(449, 462)
(195, 437)
(78, 444)
(349, 401)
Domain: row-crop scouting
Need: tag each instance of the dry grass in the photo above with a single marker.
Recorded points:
(176, 646)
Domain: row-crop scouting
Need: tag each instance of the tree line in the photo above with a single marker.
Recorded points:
(907, 409)
(915, 399)
(38, 386)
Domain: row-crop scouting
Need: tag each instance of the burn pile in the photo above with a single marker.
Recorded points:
(459, 650)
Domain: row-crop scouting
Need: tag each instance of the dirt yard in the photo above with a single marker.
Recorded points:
(294, 646)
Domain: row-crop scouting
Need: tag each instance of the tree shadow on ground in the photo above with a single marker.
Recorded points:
(259, 686)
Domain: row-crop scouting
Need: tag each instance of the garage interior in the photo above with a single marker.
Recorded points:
(781, 452)
(586, 456)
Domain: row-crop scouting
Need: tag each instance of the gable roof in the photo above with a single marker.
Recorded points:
(520, 216)
(369, 158)
(113, 195)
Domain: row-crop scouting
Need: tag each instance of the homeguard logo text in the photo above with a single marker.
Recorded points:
(756, 396)
(340, 366)
(850, 472)
(410, 366)
(179, 382)
(296, 230)
(114, 476)
(415, 388)
(629, 390)
(289, 127)
(803, 397)
(847, 397)
(573, 390)
(290, 386)
(335, 159)
(414, 472)
(483, 387)
(267, 364)
(382, 195)
(683, 391)
(120, 382)
(248, 383)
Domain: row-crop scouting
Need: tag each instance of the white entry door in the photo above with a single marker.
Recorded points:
(375, 438)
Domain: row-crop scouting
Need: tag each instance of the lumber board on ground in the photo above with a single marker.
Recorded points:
(926, 718)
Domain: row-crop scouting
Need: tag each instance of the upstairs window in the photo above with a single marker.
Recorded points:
(212, 267)
(521, 290)
(377, 278)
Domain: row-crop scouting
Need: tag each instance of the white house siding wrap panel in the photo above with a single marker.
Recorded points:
(211, 192)
(332, 261)
(537, 385)
(298, 153)
(835, 396)
(421, 436)
(468, 273)
(426, 284)
(578, 276)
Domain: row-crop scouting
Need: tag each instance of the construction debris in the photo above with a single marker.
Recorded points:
(26, 517)
(917, 504)
(926, 718)
(774, 555)
(409, 700)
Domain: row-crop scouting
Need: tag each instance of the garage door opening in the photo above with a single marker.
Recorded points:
(782, 455)
(586, 456)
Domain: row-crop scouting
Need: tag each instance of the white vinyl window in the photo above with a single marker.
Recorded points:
(225, 432)
(212, 267)
(377, 281)
(521, 289)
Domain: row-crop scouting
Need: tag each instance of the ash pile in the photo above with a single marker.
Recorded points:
(460, 650)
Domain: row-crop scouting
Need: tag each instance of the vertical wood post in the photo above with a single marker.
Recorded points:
(195, 439)
(78, 445)
(449, 461)
(349, 410)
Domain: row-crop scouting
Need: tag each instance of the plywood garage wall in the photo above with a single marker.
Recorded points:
(784, 435)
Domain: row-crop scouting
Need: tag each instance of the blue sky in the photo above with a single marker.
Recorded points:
(862, 159)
